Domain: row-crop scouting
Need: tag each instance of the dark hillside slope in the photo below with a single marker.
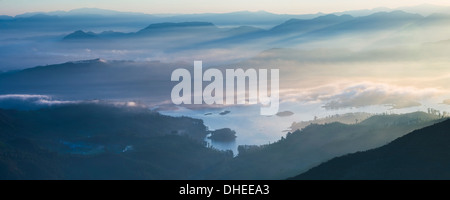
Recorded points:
(422, 154)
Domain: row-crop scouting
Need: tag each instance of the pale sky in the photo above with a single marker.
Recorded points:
(14, 7)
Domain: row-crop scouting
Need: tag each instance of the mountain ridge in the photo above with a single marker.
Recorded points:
(421, 154)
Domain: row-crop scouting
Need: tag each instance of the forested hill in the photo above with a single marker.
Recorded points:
(422, 154)
(102, 141)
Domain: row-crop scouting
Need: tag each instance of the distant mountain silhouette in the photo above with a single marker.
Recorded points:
(91, 16)
(422, 154)
(176, 28)
(373, 23)
(100, 80)
(105, 20)
(157, 30)
(383, 20)
(423, 9)
(296, 31)
(299, 26)
(176, 25)
(241, 18)
(80, 35)
(205, 34)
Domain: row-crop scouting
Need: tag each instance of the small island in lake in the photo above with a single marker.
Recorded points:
(285, 114)
(223, 135)
(224, 112)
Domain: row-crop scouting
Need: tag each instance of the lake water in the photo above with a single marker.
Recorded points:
(253, 129)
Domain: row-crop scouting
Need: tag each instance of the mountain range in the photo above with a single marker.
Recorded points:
(291, 32)
(41, 38)
(222, 19)
(98, 19)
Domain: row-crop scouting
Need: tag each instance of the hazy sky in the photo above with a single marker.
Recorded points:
(13, 7)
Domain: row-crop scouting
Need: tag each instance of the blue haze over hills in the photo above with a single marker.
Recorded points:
(64, 76)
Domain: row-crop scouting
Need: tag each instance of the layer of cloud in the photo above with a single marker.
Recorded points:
(34, 101)
(364, 94)
(285, 114)
(28, 101)
(367, 95)
(447, 101)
